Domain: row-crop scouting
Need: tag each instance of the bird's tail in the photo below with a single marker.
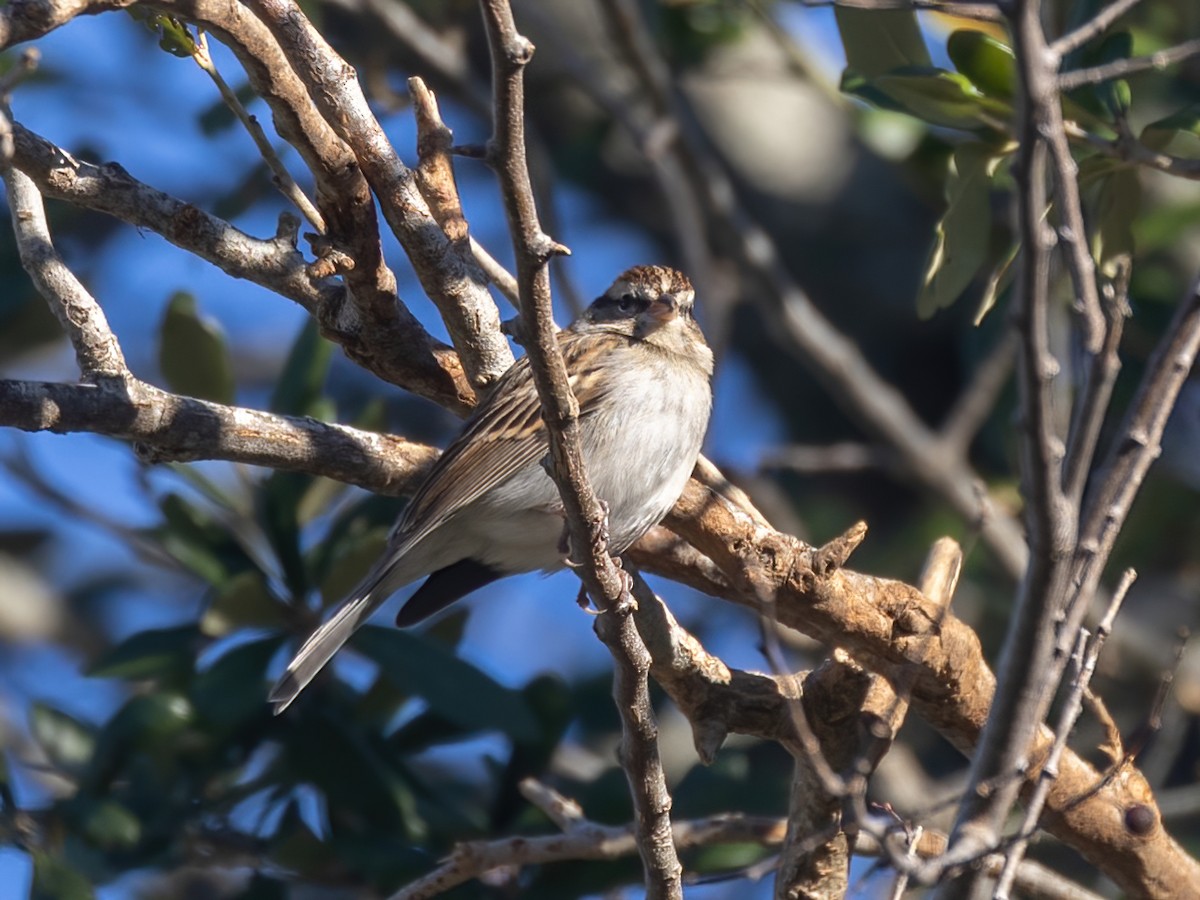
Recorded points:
(329, 638)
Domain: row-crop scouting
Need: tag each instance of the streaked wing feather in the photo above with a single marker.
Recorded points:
(503, 436)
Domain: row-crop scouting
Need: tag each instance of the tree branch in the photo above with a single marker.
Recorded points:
(891, 628)
(96, 349)
(182, 429)
(399, 351)
(1024, 691)
(1122, 68)
(447, 270)
(602, 577)
(1093, 28)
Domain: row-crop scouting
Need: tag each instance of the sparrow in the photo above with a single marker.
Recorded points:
(642, 373)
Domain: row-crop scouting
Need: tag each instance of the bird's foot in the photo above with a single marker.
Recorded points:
(599, 539)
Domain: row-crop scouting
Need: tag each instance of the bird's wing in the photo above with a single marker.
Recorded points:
(505, 435)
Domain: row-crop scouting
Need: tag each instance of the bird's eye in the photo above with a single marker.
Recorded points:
(627, 303)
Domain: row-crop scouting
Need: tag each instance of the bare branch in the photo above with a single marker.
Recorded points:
(1093, 28)
(1122, 68)
(586, 840)
(399, 351)
(716, 700)
(96, 348)
(497, 274)
(351, 245)
(1129, 149)
(893, 629)
(447, 270)
(985, 12)
(1093, 400)
(832, 458)
(283, 178)
(1084, 659)
(510, 52)
(435, 168)
(1136, 445)
(169, 427)
(978, 399)
(30, 19)
(1024, 692)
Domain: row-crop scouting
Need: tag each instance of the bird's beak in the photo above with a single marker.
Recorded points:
(664, 309)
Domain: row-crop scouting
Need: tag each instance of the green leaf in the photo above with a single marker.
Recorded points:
(1107, 100)
(963, 234)
(1181, 125)
(301, 386)
(989, 63)
(1001, 277)
(107, 824)
(193, 354)
(878, 41)
(173, 35)
(350, 524)
(279, 503)
(54, 879)
(210, 489)
(939, 97)
(67, 741)
(157, 653)
(147, 722)
(263, 887)
(243, 602)
(204, 547)
(294, 846)
(452, 687)
(1114, 94)
(355, 555)
(232, 692)
(360, 779)
(1116, 212)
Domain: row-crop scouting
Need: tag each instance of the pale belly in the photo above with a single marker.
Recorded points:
(639, 457)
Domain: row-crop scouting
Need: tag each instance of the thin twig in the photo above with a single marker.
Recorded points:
(1093, 400)
(1093, 28)
(602, 578)
(446, 268)
(977, 401)
(835, 359)
(283, 178)
(984, 12)
(435, 167)
(831, 458)
(1122, 68)
(1129, 149)
(1023, 691)
(503, 279)
(1085, 663)
(1136, 445)
(585, 840)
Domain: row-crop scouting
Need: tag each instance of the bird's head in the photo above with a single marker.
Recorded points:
(651, 303)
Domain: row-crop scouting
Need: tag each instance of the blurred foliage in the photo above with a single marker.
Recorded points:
(363, 784)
